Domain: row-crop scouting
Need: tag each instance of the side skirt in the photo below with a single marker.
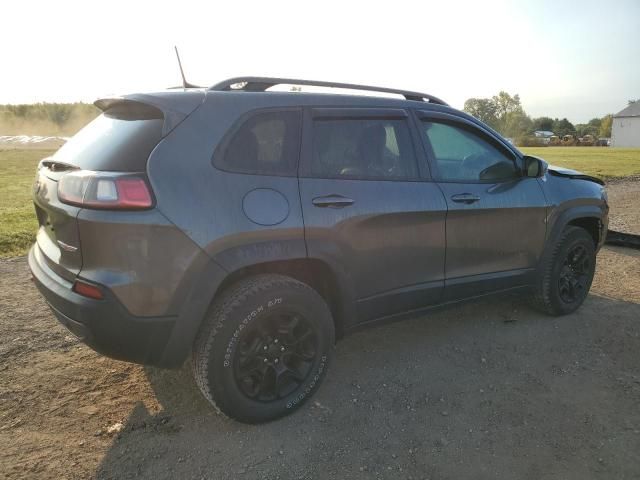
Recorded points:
(440, 306)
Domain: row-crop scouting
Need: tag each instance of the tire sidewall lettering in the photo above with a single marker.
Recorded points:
(250, 317)
(309, 388)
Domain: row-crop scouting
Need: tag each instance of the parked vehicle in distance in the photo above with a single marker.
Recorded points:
(248, 229)
(587, 141)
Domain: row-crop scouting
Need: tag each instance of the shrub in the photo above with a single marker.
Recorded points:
(530, 141)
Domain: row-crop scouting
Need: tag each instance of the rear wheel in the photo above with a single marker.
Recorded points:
(264, 348)
(566, 276)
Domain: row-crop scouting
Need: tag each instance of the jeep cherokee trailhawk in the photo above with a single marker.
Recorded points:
(248, 228)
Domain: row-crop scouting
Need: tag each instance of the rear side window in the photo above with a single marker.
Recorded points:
(121, 139)
(268, 143)
(366, 148)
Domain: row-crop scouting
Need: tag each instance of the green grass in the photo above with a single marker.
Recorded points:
(597, 161)
(18, 223)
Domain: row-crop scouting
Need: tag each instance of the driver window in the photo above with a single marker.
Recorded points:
(363, 148)
(462, 156)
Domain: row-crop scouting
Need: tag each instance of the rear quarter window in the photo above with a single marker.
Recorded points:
(266, 143)
(120, 139)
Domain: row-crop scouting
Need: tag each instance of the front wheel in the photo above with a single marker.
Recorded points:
(264, 348)
(566, 275)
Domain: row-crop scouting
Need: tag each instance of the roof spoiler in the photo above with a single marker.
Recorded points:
(174, 106)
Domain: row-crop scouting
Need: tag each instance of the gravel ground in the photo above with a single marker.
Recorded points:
(624, 195)
(484, 391)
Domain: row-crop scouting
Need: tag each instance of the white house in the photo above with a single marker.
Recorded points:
(625, 129)
(544, 136)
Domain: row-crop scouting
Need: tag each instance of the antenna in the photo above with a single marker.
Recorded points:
(185, 84)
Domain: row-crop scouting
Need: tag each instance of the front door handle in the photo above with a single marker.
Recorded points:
(332, 201)
(467, 198)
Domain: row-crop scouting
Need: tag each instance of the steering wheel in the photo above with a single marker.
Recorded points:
(498, 171)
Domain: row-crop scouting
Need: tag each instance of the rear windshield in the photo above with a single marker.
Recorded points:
(120, 139)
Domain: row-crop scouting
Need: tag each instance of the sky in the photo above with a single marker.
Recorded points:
(575, 59)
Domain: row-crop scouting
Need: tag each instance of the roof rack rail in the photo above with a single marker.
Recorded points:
(260, 84)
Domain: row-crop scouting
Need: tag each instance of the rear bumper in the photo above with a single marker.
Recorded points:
(104, 325)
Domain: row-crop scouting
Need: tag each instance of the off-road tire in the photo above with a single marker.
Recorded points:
(240, 307)
(547, 297)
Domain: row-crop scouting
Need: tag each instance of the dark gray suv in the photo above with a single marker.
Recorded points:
(249, 228)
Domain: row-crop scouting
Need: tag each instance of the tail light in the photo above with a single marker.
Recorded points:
(105, 190)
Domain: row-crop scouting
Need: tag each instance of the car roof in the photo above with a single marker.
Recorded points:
(277, 98)
(179, 99)
(256, 90)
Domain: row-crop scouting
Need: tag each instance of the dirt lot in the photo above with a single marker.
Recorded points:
(623, 197)
(482, 391)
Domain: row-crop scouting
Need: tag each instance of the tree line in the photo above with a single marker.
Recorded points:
(63, 119)
(505, 114)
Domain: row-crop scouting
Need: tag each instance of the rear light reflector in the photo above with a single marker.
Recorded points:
(87, 290)
(102, 190)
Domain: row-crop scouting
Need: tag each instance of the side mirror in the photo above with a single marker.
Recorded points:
(534, 167)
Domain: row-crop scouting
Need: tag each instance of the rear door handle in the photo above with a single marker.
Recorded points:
(332, 201)
(465, 198)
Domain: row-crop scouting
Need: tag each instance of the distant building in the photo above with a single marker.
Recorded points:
(543, 133)
(543, 136)
(625, 129)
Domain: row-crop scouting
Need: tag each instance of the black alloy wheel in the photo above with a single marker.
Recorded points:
(275, 356)
(574, 276)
